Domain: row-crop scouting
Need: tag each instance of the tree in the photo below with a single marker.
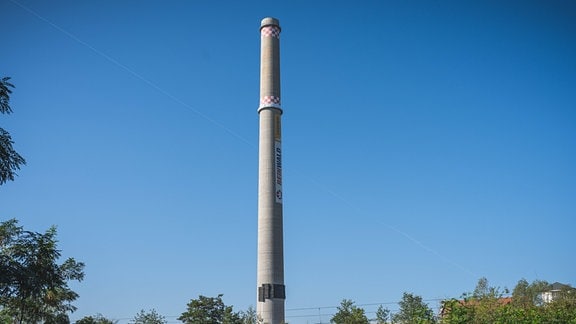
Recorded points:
(5, 317)
(454, 311)
(60, 318)
(483, 290)
(382, 315)
(527, 295)
(487, 301)
(484, 305)
(560, 310)
(151, 317)
(209, 310)
(249, 316)
(348, 313)
(97, 319)
(413, 310)
(33, 286)
(10, 160)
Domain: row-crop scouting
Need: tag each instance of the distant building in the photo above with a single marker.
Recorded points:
(555, 291)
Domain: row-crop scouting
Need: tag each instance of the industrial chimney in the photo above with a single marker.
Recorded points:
(270, 281)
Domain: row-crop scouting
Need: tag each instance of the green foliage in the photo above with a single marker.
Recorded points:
(150, 317)
(5, 92)
(487, 301)
(249, 316)
(5, 317)
(413, 310)
(57, 319)
(487, 305)
(348, 313)
(382, 315)
(484, 305)
(526, 295)
(33, 286)
(562, 309)
(97, 319)
(209, 310)
(454, 311)
(10, 160)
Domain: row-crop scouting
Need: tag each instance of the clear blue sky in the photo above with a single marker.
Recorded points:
(426, 144)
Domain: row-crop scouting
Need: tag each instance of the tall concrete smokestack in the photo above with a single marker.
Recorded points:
(270, 281)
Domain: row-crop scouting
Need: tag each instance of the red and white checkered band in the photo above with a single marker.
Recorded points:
(270, 31)
(270, 101)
